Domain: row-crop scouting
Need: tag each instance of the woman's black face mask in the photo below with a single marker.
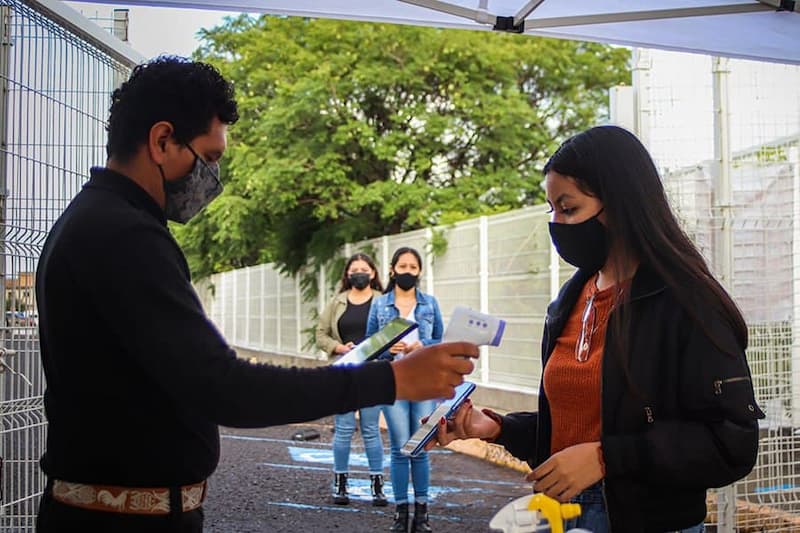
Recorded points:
(584, 245)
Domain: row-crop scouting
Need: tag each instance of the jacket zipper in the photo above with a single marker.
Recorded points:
(720, 382)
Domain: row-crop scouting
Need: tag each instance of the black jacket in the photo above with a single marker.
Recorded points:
(137, 376)
(691, 423)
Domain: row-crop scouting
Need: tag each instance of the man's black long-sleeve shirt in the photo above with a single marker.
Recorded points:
(137, 376)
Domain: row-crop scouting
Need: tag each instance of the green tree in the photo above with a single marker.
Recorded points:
(353, 130)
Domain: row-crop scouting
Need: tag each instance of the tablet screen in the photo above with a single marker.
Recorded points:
(374, 345)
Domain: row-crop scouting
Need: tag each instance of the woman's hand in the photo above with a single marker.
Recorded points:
(408, 348)
(398, 347)
(343, 348)
(468, 423)
(567, 473)
(404, 347)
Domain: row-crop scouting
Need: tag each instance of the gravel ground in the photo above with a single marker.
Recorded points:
(268, 482)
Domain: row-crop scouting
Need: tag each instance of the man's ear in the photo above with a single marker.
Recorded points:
(159, 140)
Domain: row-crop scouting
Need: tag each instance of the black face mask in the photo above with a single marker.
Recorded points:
(359, 280)
(406, 280)
(584, 245)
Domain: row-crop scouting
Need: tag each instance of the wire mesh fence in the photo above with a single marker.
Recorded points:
(687, 97)
(55, 89)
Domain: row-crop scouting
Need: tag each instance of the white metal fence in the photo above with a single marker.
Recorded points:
(500, 264)
(56, 74)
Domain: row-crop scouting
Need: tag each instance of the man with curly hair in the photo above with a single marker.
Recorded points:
(137, 377)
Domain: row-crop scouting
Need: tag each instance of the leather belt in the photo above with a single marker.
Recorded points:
(128, 500)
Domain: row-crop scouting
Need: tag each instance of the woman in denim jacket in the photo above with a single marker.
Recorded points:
(402, 298)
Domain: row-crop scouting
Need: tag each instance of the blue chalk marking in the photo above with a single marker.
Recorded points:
(316, 507)
(294, 467)
(776, 488)
(307, 455)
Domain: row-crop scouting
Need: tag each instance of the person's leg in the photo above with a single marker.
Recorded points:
(593, 515)
(420, 465)
(420, 470)
(373, 446)
(371, 433)
(397, 421)
(399, 431)
(344, 426)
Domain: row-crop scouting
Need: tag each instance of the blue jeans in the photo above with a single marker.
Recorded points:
(344, 426)
(402, 419)
(593, 513)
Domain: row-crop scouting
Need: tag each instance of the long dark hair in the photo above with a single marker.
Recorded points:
(395, 258)
(375, 283)
(611, 164)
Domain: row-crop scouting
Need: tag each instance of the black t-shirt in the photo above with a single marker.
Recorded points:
(353, 322)
(137, 376)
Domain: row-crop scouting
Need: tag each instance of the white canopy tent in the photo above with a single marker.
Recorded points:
(766, 30)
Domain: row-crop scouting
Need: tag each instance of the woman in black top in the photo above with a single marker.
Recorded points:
(342, 325)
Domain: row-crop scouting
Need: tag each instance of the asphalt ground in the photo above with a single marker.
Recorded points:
(266, 481)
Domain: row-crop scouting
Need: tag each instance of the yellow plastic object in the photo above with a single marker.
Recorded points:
(555, 513)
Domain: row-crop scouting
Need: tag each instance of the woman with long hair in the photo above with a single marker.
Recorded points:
(342, 325)
(403, 298)
(646, 398)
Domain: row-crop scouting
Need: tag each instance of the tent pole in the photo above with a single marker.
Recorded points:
(634, 16)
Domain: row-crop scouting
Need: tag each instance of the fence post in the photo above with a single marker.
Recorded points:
(5, 50)
(278, 312)
(247, 272)
(385, 255)
(429, 277)
(641, 89)
(322, 293)
(263, 308)
(483, 273)
(723, 203)
(794, 160)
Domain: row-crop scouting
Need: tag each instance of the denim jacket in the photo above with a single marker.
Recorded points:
(426, 314)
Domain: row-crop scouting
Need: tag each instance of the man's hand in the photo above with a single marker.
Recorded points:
(433, 371)
(567, 473)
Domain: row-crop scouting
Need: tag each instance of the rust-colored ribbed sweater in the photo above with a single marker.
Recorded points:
(573, 387)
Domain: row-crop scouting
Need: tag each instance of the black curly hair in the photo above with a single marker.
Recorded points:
(188, 94)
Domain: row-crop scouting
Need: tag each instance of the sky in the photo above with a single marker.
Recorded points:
(156, 30)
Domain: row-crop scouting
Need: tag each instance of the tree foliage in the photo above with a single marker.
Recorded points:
(353, 130)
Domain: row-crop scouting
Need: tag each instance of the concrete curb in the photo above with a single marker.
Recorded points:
(492, 453)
